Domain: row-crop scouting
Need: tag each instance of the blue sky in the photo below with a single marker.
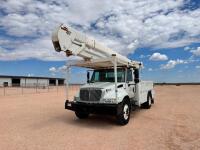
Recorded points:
(165, 36)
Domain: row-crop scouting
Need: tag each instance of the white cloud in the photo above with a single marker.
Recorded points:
(197, 67)
(30, 75)
(61, 69)
(180, 71)
(133, 45)
(26, 25)
(75, 77)
(196, 52)
(187, 48)
(142, 56)
(172, 63)
(40, 48)
(52, 69)
(150, 69)
(122, 25)
(158, 57)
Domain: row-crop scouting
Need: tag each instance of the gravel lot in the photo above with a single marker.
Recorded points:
(39, 121)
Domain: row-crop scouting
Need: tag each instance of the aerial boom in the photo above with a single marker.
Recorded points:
(72, 42)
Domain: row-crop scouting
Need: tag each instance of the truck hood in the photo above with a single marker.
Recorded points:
(101, 85)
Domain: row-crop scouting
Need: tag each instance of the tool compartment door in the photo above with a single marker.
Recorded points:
(142, 89)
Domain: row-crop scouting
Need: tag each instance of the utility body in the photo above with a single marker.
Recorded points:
(113, 88)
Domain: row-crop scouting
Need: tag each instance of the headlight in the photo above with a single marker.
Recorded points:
(109, 100)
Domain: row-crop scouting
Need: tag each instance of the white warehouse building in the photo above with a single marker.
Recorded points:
(6, 80)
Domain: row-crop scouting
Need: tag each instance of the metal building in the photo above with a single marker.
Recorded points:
(6, 80)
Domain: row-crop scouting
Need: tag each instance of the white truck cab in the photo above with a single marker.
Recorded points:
(113, 88)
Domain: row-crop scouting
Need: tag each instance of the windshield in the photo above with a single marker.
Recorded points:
(107, 75)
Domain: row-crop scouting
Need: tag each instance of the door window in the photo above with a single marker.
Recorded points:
(129, 75)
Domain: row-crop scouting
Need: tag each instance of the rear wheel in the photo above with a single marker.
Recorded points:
(147, 104)
(81, 115)
(124, 114)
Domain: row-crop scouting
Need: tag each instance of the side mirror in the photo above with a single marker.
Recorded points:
(137, 80)
(137, 77)
(88, 77)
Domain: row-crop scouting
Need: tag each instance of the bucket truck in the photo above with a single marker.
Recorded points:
(115, 86)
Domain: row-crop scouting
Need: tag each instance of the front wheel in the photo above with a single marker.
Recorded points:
(81, 115)
(124, 114)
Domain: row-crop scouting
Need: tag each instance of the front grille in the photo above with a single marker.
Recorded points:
(90, 94)
(84, 95)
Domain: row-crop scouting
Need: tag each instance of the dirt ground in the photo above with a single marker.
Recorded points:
(39, 121)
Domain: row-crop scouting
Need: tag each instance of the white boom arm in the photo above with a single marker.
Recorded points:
(72, 42)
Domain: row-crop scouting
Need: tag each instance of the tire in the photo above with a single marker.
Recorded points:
(124, 114)
(81, 115)
(147, 104)
(152, 100)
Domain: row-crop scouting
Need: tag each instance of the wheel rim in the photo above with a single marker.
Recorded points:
(126, 111)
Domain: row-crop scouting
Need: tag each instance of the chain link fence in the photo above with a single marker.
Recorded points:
(37, 88)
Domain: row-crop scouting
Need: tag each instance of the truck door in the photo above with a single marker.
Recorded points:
(130, 83)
